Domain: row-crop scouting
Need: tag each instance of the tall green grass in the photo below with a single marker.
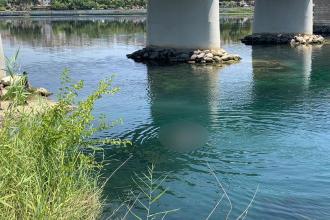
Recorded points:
(47, 164)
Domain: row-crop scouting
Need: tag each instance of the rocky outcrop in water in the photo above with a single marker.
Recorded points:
(170, 56)
(293, 39)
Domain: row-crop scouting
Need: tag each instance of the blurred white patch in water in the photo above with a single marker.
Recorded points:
(183, 136)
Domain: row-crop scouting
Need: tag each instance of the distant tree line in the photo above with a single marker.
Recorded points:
(97, 4)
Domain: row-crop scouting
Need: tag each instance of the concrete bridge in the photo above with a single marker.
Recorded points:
(191, 24)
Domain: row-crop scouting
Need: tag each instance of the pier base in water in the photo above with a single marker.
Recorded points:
(171, 56)
(293, 39)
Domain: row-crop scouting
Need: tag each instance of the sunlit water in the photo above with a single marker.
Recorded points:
(265, 120)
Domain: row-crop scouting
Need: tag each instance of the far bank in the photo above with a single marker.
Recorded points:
(105, 12)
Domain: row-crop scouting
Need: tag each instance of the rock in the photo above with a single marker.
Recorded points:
(219, 53)
(236, 57)
(154, 55)
(208, 59)
(320, 39)
(229, 62)
(226, 58)
(3, 92)
(43, 92)
(222, 51)
(193, 57)
(183, 57)
(209, 55)
(201, 55)
(9, 80)
(217, 59)
(173, 60)
(191, 61)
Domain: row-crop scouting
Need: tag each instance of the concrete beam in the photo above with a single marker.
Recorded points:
(183, 24)
(283, 16)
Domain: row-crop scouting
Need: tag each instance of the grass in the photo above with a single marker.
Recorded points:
(47, 163)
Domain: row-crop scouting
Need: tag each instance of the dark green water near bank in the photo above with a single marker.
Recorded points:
(266, 119)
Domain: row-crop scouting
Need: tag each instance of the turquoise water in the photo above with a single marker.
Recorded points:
(263, 122)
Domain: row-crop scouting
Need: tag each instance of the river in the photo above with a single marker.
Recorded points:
(263, 123)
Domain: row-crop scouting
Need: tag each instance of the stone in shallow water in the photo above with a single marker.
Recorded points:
(193, 57)
(209, 55)
(43, 92)
(201, 55)
(217, 59)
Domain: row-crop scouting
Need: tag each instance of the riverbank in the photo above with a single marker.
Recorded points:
(107, 12)
(48, 13)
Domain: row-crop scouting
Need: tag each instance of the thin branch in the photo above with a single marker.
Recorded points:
(215, 207)
(223, 189)
(130, 208)
(115, 171)
(160, 183)
(243, 215)
(116, 210)
(164, 212)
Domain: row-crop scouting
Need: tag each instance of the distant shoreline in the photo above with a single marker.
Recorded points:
(50, 13)
(105, 12)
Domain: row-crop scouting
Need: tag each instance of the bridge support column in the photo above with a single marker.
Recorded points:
(183, 24)
(183, 31)
(282, 22)
(283, 16)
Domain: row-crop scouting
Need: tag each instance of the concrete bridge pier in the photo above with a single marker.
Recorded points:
(183, 31)
(184, 24)
(283, 16)
(283, 22)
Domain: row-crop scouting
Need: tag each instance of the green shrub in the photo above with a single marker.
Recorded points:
(56, 5)
(94, 4)
(83, 4)
(3, 4)
(47, 164)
